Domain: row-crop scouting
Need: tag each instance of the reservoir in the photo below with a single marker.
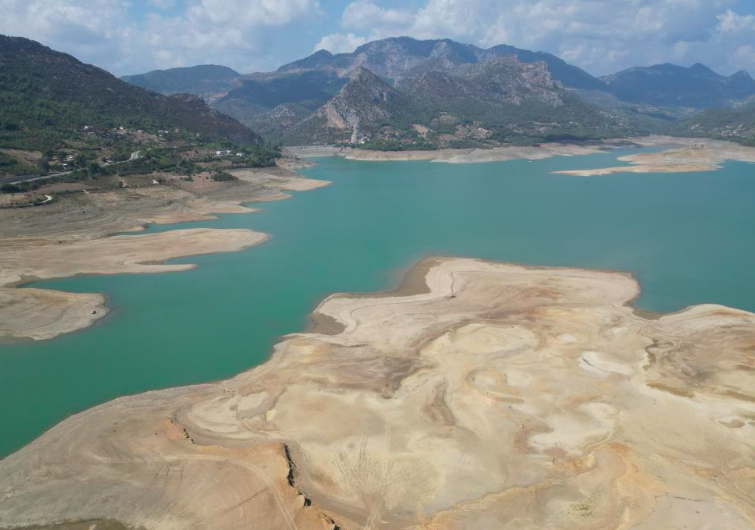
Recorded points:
(689, 238)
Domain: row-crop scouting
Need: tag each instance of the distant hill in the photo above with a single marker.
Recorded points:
(499, 81)
(396, 59)
(363, 105)
(44, 93)
(500, 99)
(309, 83)
(736, 124)
(676, 86)
(260, 93)
(207, 80)
(468, 85)
(274, 124)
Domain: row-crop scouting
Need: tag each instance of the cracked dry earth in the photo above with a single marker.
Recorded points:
(479, 396)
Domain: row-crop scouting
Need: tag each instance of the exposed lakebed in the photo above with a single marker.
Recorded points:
(687, 237)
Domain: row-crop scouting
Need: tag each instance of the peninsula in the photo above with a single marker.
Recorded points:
(75, 236)
(477, 393)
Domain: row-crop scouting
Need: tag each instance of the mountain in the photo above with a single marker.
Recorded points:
(505, 99)
(274, 123)
(504, 93)
(364, 103)
(396, 59)
(502, 86)
(498, 81)
(567, 74)
(741, 85)
(499, 99)
(309, 83)
(676, 86)
(206, 80)
(258, 94)
(736, 124)
(444, 93)
(44, 93)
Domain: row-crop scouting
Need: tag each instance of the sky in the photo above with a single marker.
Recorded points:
(601, 36)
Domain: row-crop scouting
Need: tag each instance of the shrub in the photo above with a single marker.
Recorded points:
(222, 176)
(11, 188)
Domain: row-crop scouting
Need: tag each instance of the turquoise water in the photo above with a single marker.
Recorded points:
(689, 238)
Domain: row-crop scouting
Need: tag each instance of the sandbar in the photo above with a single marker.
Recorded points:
(465, 156)
(679, 155)
(39, 314)
(682, 155)
(73, 235)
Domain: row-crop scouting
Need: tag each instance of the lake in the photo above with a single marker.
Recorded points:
(689, 238)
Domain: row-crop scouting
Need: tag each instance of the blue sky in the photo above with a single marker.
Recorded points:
(601, 36)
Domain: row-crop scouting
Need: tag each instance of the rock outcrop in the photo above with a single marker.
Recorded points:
(366, 101)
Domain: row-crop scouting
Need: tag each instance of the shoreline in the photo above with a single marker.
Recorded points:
(463, 156)
(420, 364)
(43, 314)
(684, 155)
(41, 250)
(680, 154)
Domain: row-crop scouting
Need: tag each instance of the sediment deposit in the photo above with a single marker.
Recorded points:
(478, 396)
(681, 155)
(74, 235)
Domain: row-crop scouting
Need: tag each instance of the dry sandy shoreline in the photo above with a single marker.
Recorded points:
(73, 236)
(461, 156)
(441, 405)
(40, 314)
(102, 214)
(680, 154)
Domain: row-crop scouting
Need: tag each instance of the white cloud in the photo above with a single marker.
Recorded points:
(87, 30)
(599, 35)
(102, 32)
(730, 22)
(242, 14)
(365, 14)
(339, 43)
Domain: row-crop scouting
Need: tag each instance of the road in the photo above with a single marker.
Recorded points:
(30, 178)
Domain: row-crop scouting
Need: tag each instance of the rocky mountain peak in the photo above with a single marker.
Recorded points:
(499, 80)
(701, 69)
(364, 101)
(399, 59)
(741, 75)
(368, 87)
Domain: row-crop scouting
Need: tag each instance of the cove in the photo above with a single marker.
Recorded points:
(688, 237)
